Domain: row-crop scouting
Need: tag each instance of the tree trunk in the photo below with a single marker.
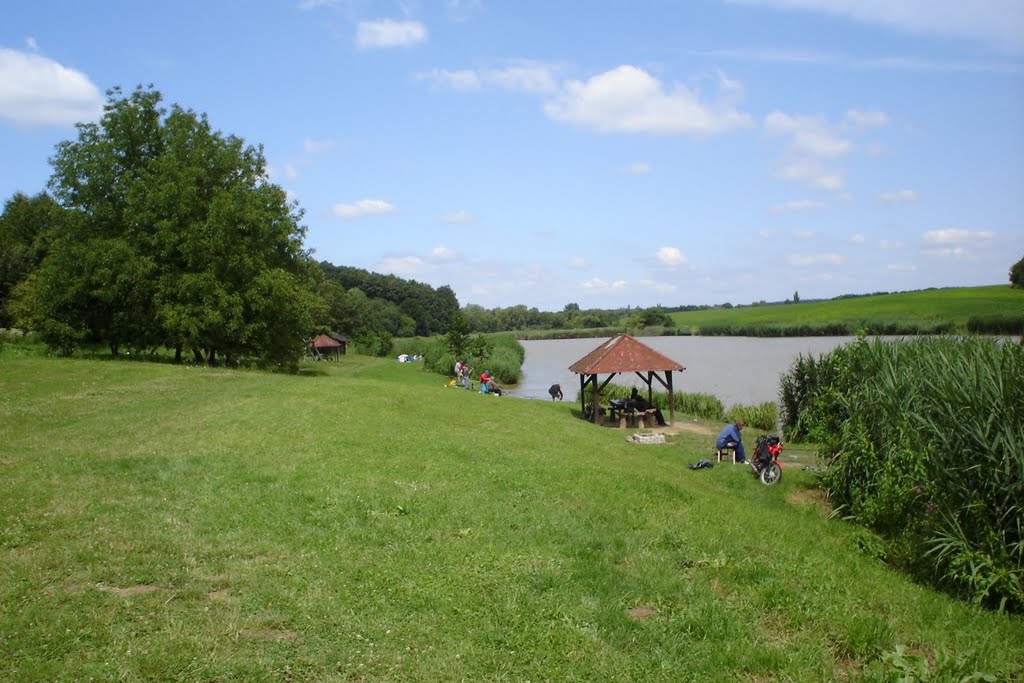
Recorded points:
(177, 354)
(211, 356)
(198, 355)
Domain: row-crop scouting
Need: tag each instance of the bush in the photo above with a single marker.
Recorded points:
(504, 356)
(996, 324)
(924, 442)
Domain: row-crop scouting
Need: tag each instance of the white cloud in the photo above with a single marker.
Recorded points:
(403, 265)
(37, 91)
(389, 33)
(578, 263)
(306, 5)
(765, 234)
(290, 172)
(629, 100)
(597, 284)
(947, 252)
(456, 217)
(899, 196)
(363, 207)
(670, 257)
(523, 76)
(464, 79)
(802, 234)
(958, 236)
(31, 44)
(857, 238)
(639, 168)
(443, 254)
(797, 205)
(860, 120)
(809, 135)
(901, 267)
(814, 259)
(891, 244)
(996, 22)
(519, 76)
(316, 146)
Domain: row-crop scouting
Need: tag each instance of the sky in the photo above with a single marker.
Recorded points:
(641, 153)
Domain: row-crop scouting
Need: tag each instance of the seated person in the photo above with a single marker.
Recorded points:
(640, 404)
(731, 438)
(556, 391)
(493, 388)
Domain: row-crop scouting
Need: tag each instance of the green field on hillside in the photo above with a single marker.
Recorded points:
(363, 521)
(954, 305)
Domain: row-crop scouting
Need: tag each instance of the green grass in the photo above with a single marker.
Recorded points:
(364, 522)
(954, 305)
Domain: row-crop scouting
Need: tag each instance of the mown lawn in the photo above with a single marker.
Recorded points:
(364, 522)
(955, 304)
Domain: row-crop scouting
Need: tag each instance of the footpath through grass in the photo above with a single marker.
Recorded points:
(364, 522)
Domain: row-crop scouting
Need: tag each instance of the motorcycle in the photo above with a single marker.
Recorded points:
(765, 463)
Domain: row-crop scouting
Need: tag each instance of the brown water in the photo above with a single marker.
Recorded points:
(738, 370)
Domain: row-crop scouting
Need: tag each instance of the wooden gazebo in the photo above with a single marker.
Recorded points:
(328, 345)
(624, 354)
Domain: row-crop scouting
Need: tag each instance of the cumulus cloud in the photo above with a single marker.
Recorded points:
(639, 168)
(383, 33)
(670, 257)
(901, 267)
(857, 238)
(627, 99)
(831, 259)
(947, 252)
(797, 205)
(899, 196)
(957, 236)
(37, 91)
(802, 234)
(363, 207)
(891, 244)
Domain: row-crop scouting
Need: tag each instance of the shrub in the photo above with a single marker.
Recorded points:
(764, 416)
(924, 442)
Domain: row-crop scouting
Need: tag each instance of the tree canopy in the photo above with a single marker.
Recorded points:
(174, 237)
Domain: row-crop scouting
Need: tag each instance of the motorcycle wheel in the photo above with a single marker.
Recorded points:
(771, 474)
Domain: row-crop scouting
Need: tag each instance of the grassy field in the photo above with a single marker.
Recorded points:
(936, 305)
(362, 521)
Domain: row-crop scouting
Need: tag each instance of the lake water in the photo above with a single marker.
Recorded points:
(738, 370)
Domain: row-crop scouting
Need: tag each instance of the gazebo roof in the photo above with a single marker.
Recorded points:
(623, 354)
(325, 341)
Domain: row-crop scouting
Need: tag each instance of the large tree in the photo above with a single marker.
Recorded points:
(179, 240)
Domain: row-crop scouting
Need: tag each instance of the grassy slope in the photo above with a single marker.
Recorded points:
(956, 304)
(364, 521)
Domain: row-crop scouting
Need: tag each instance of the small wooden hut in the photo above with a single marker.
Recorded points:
(328, 345)
(619, 354)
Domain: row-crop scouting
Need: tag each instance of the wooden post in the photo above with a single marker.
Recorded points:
(671, 401)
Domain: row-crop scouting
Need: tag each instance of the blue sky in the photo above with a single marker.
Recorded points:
(603, 153)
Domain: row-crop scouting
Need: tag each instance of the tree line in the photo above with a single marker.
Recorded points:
(158, 231)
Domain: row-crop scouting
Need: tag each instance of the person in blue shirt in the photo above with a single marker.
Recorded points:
(731, 438)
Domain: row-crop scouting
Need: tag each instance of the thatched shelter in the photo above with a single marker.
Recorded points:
(619, 354)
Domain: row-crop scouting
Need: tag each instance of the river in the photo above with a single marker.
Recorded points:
(738, 370)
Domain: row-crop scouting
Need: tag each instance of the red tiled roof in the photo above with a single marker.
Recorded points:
(325, 341)
(623, 354)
